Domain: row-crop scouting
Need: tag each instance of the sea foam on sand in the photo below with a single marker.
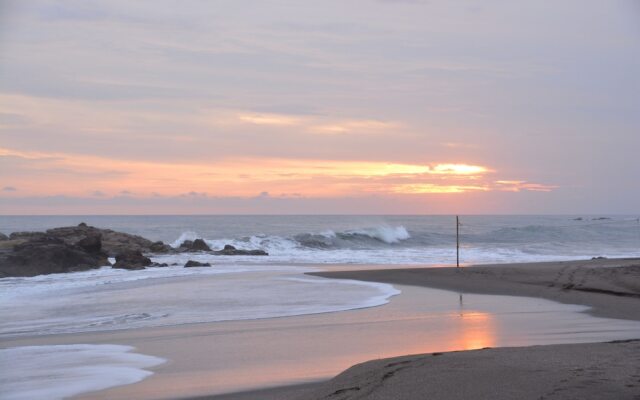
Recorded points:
(61, 371)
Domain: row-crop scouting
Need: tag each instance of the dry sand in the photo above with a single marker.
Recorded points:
(575, 371)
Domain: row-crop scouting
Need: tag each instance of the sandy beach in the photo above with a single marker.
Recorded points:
(611, 287)
(242, 360)
(569, 371)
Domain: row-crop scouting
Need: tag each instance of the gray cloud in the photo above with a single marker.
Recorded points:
(521, 86)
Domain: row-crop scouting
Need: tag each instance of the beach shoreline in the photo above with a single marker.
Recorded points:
(190, 371)
(611, 287)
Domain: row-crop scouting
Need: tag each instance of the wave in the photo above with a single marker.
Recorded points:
(364, 238)
(485, 242)
(79, 368)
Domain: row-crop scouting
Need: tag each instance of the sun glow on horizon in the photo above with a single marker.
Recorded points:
(83, 175)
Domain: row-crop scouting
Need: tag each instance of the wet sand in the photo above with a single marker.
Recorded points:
(298, 350)
(569, 371)
(225, 357)
(610, 286)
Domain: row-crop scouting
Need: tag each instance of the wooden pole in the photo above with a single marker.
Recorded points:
(457, 242)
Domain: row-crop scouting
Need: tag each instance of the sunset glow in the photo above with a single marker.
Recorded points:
(77, 175)
(340, 108)
(478, 331)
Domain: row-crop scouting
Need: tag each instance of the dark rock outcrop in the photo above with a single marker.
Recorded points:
(191, 264)
(26, 235)
(230, 250)
(44, 254)
(3, 237)
(194, 245)
(160, 247)
(132, 260)
(112, 242)
(91, 243)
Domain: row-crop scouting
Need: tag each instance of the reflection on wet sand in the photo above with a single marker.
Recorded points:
(477, 331)
(242, 355)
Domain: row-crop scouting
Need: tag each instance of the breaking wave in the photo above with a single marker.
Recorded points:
(364, 238)
(517, 240)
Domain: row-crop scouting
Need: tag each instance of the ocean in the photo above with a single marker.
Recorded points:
(254, 287)
(378, 239)
(261, 288)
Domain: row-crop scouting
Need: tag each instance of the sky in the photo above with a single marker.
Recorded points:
(319, 107)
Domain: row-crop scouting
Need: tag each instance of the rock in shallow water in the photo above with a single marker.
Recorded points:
(191, 264)
(112, 242)
(48, 255)
(230, 250)
(132, 260)
(194, 245)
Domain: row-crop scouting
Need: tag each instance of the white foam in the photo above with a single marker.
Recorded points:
(385, 233)
(189, 235)
(62, 371)
(385, 290)
(112, 299)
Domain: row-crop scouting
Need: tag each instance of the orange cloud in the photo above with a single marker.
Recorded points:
(82, 175)
(517, 186)
(268, 119)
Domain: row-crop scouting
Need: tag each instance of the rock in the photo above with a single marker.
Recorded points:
(158, 265)
(3, 237)
(160, 247)
(47, 255)
(132, 260)
(195, 245)
(191, 264)
(112, 242)
(91, 243)
(26, 235)
(200, 245)
(187, 244)
(230, 250)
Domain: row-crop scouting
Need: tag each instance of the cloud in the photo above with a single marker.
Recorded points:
(267, 119)
(263, 195)
(516, 186)
(354, 126)
(9, 189)
(12, 119)
(320, 124)
(331, 99)
(240, 176)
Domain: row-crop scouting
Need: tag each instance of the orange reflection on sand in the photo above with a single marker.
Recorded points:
(477, 331)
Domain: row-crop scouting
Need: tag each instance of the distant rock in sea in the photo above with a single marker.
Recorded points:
(230, 250)
(194, 245)
(191, 264)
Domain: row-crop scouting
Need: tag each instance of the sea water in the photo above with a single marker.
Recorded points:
(378, 239)
(61, 371)
(254, 288)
